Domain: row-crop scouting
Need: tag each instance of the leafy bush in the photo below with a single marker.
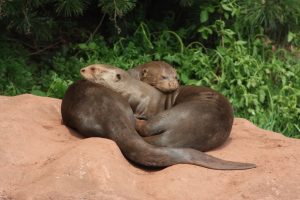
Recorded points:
(264, 90)
(275, 18)
(15, 74)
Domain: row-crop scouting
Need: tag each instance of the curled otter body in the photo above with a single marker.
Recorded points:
(200, 118)
(96, 111)
(158, 74)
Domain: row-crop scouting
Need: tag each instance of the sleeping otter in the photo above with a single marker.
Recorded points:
(97, 111)
(158, 74)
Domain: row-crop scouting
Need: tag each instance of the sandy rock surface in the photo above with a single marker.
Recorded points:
(41, 159)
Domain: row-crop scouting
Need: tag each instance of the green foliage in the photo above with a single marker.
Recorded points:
(22, 17)
(274, 18)
(71, 7)
(41, 21)
(117, 7)
(294, 38)
(15, 75)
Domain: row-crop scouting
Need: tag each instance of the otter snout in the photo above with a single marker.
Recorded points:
(173, 84)
(87, 71)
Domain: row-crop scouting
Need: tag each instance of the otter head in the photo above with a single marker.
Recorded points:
(160, 75)
(106, 75)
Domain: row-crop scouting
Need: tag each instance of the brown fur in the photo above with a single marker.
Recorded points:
(198, 117)
(96, 111)
(158, 74)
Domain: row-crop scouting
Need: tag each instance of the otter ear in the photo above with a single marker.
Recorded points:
(144, 72)
(118, 77)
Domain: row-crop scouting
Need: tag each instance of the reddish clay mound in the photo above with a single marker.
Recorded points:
(42, 159)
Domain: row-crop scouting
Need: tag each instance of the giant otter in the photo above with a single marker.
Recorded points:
(96, 111)
(145, 100)
(159, 74)
(190, 109)
(200, 118)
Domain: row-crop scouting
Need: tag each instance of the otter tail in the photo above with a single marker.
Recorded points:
(137, 150)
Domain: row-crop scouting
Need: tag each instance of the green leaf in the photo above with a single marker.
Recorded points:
(226, 15)
(262, 96)
(205, 32)
(92, 45)
(71, 7)
(184, 78)
(83, 46)
(225, 7)
(203, 16)
(291, 36)
(240, 42)
(210, 9)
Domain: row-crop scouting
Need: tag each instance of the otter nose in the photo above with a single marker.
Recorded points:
(173, 84)
(82, 70)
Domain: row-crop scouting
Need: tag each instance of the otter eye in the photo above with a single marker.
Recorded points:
(118, 76)
(93, 68)
(144, 72)
(164, 77)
